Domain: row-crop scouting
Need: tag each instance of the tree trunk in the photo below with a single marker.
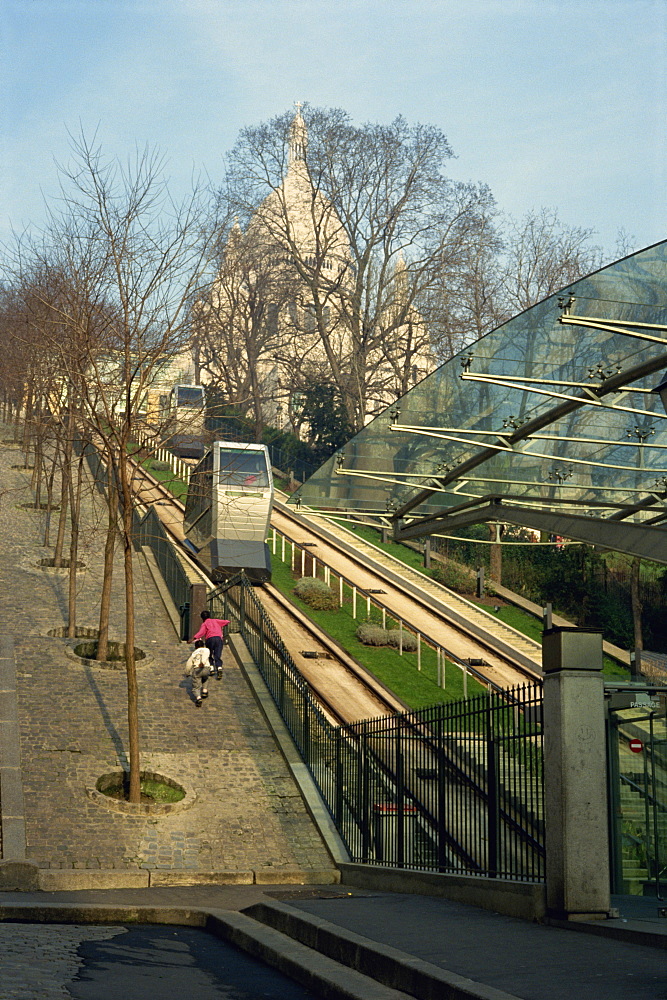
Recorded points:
(66, 473)
(75, 507)
(37, 472)
(130, 665)
(635, 566)
(49, 501)
(496, 555)
(109, 548)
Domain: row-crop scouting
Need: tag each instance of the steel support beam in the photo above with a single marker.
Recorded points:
(633, 539)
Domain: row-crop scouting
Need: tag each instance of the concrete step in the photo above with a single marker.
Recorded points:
(324, 976)
(389, 968)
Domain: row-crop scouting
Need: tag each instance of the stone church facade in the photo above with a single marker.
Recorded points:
(277, 308)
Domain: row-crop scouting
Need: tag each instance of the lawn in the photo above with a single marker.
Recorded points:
(529, 625)
(417, 688)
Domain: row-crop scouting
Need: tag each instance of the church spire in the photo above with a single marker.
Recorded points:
(298, 138)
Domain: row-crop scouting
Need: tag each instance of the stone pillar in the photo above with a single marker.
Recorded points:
(198, 603)
(427, 553)
(575, 775)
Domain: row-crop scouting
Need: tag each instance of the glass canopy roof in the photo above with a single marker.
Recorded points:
(549, 422)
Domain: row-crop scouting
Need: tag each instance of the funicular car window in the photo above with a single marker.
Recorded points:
(243, 468)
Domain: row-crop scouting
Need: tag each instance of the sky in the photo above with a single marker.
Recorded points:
(551, 103)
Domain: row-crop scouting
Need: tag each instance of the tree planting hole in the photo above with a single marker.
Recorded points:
(115, 653)
(156, 789)
(64, 563)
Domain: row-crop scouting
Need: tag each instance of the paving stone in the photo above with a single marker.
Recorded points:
(248, 813)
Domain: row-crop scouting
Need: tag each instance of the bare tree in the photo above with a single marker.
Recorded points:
(541, 256)
(133, 259)
(235, 326)
(368, 222)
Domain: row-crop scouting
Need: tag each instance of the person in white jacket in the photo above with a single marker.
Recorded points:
(198, 667)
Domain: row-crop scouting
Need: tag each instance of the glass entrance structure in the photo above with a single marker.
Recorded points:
(637, 769)
(550, 422)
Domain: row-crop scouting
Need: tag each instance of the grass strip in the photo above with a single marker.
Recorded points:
(519, 619)
(417, 688)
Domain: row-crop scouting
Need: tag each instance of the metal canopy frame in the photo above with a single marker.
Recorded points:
(529, 426)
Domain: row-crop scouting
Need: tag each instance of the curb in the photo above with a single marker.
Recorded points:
(383, 963)
(325, 977)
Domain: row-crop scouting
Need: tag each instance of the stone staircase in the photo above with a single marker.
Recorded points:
(635, 839)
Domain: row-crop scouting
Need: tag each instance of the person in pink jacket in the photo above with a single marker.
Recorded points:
(211, 633)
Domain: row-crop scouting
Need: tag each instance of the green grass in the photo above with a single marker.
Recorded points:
(524, 622)
(167, 477)
(417, 688)
(160, 791)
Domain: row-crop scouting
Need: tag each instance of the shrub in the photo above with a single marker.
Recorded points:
(316, 594)
(371, 635)
(454, 575)
(409, 640)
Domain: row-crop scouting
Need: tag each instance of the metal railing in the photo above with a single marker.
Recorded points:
(451, 788)
(363, 604)
(148, 531)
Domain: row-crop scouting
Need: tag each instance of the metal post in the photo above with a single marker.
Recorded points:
(419, 650)
(492, 811)
(547, 616)
(400, 637)
(340, 591)
(354, 603)
(480, 582)
(364, 819)
(282, 548)
(399, 856)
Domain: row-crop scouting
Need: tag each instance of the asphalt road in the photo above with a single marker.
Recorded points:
(59, 962)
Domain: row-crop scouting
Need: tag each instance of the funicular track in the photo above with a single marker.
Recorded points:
(339, 683)
(436, 612)
(346, 693)
(445, 619)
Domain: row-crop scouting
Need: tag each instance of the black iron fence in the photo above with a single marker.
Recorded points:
(451, 788)
(148, 532)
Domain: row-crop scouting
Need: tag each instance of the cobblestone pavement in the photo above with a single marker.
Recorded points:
(248, 814)
(72, 962)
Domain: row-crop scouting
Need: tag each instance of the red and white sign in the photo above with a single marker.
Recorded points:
(636, 746)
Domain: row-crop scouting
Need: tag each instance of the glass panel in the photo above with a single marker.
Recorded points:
(543, 411)
(638, 796)
(189, 395)
(243, 467)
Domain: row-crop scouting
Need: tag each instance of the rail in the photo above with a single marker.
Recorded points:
(308, 564)
(452, 788)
